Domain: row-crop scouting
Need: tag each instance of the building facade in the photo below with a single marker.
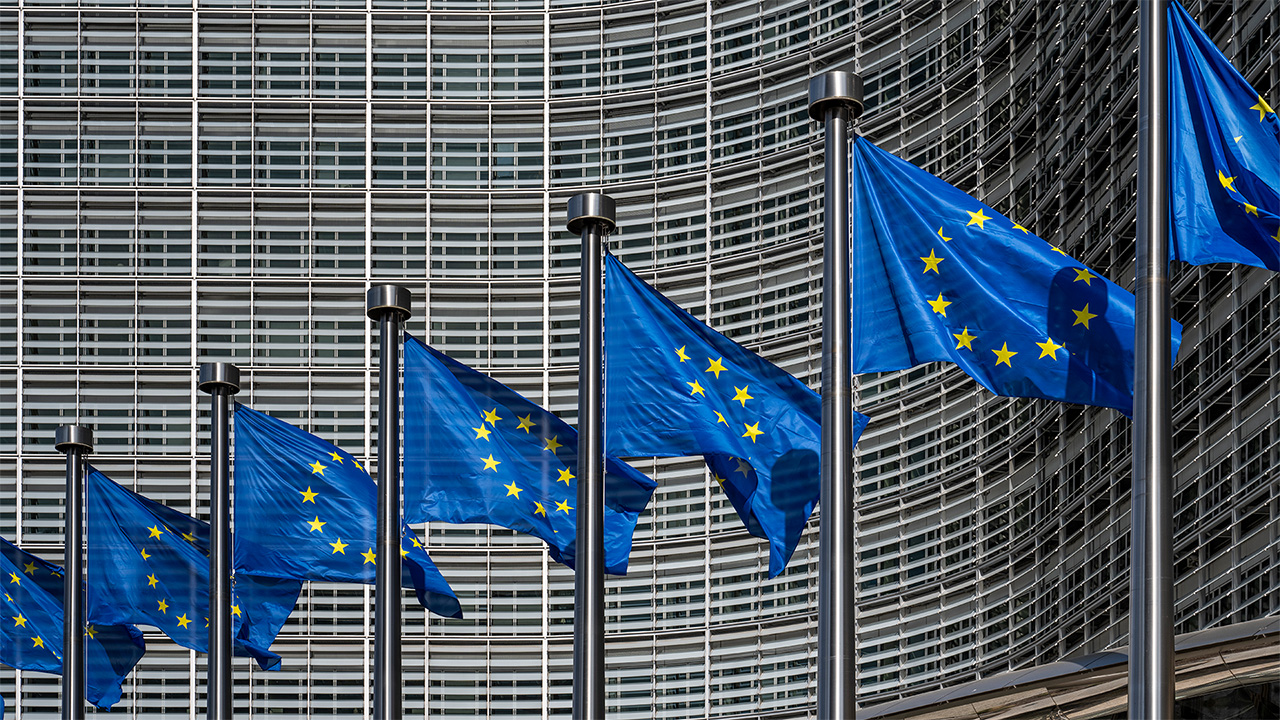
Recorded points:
(221, 180)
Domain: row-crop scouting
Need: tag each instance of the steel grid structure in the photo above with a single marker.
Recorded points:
(222, 181)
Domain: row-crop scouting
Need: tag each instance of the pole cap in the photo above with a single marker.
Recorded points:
(835, 88)
(383, 299)
(592, 207)
(73, 437)
(219, 375)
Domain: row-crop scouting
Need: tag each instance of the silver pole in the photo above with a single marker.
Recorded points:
(835, 97)
(76, 441)
(221, 381)
(1151, 533)
(389, 305)
(592, 215)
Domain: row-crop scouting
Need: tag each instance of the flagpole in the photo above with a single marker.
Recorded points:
(592, 215)
(835, 98)
(389, 305)
(1151, 685)
(221, 381)
(76, 441)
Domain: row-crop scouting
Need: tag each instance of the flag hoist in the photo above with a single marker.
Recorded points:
(76, 441)
(835, 99)
(389, 306)
(592, 215)
(221, 381)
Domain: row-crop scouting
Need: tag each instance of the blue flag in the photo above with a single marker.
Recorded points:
(939, 276)
(1224, 148)
(149, 564)
(675, 387)
(30, 622)
(307, 510)
(477, 452)
(111, 651)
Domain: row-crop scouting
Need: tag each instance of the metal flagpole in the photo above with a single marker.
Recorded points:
(1151, 533)
(389, 305)
(835, 98)
(221, 381)
(592, 215)
(76, 441)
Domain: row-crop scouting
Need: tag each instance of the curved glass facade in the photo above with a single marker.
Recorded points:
(222, 181)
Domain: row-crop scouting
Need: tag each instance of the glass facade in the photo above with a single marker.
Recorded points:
(221, 181)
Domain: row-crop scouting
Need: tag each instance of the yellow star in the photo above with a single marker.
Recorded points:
(1276, 237)
(695, 388)
(189, 537)
(565, 476)
(1237, 138)
(680, 353)
(752, 431)
(369, 557)
(931, 262)
(416, 543)
(717, 366)
(145, 556)
(490, 463)
(1016, 226)
(513, 489)
(1083, 317)
(563, 505)
(183, 621)
(91, 631)
(403, 551)
(1059, 250)
(964, 339)
(164, 606)
(339, 548)
(37, 641)
(482, 432)
(1262, 107)
(1003, 355)
(944, 237)
(1085, 275)
(525, 423)
(316, 525)
(317, 468)
(356, 463)
(336, 457)
(29, 568)
(308, 496)
(717, 478)
(742, 395)
(235, 610)
(1227, 182)
(1251, 209)
(539, 509)
(1049, 349)
(19, 621)
(720, 418)
(155, 532)
(939, 306)
(552, 445)
(152, 580)
(14, 579)
(977, 217)
(744, 467)
(491, 417)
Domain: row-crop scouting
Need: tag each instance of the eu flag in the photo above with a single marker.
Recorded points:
(30, 621)
(940, 276)
(149, 564)
(111, 651)
(306, 510)
(1224, 147)
(675, 387)
(475, 451)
